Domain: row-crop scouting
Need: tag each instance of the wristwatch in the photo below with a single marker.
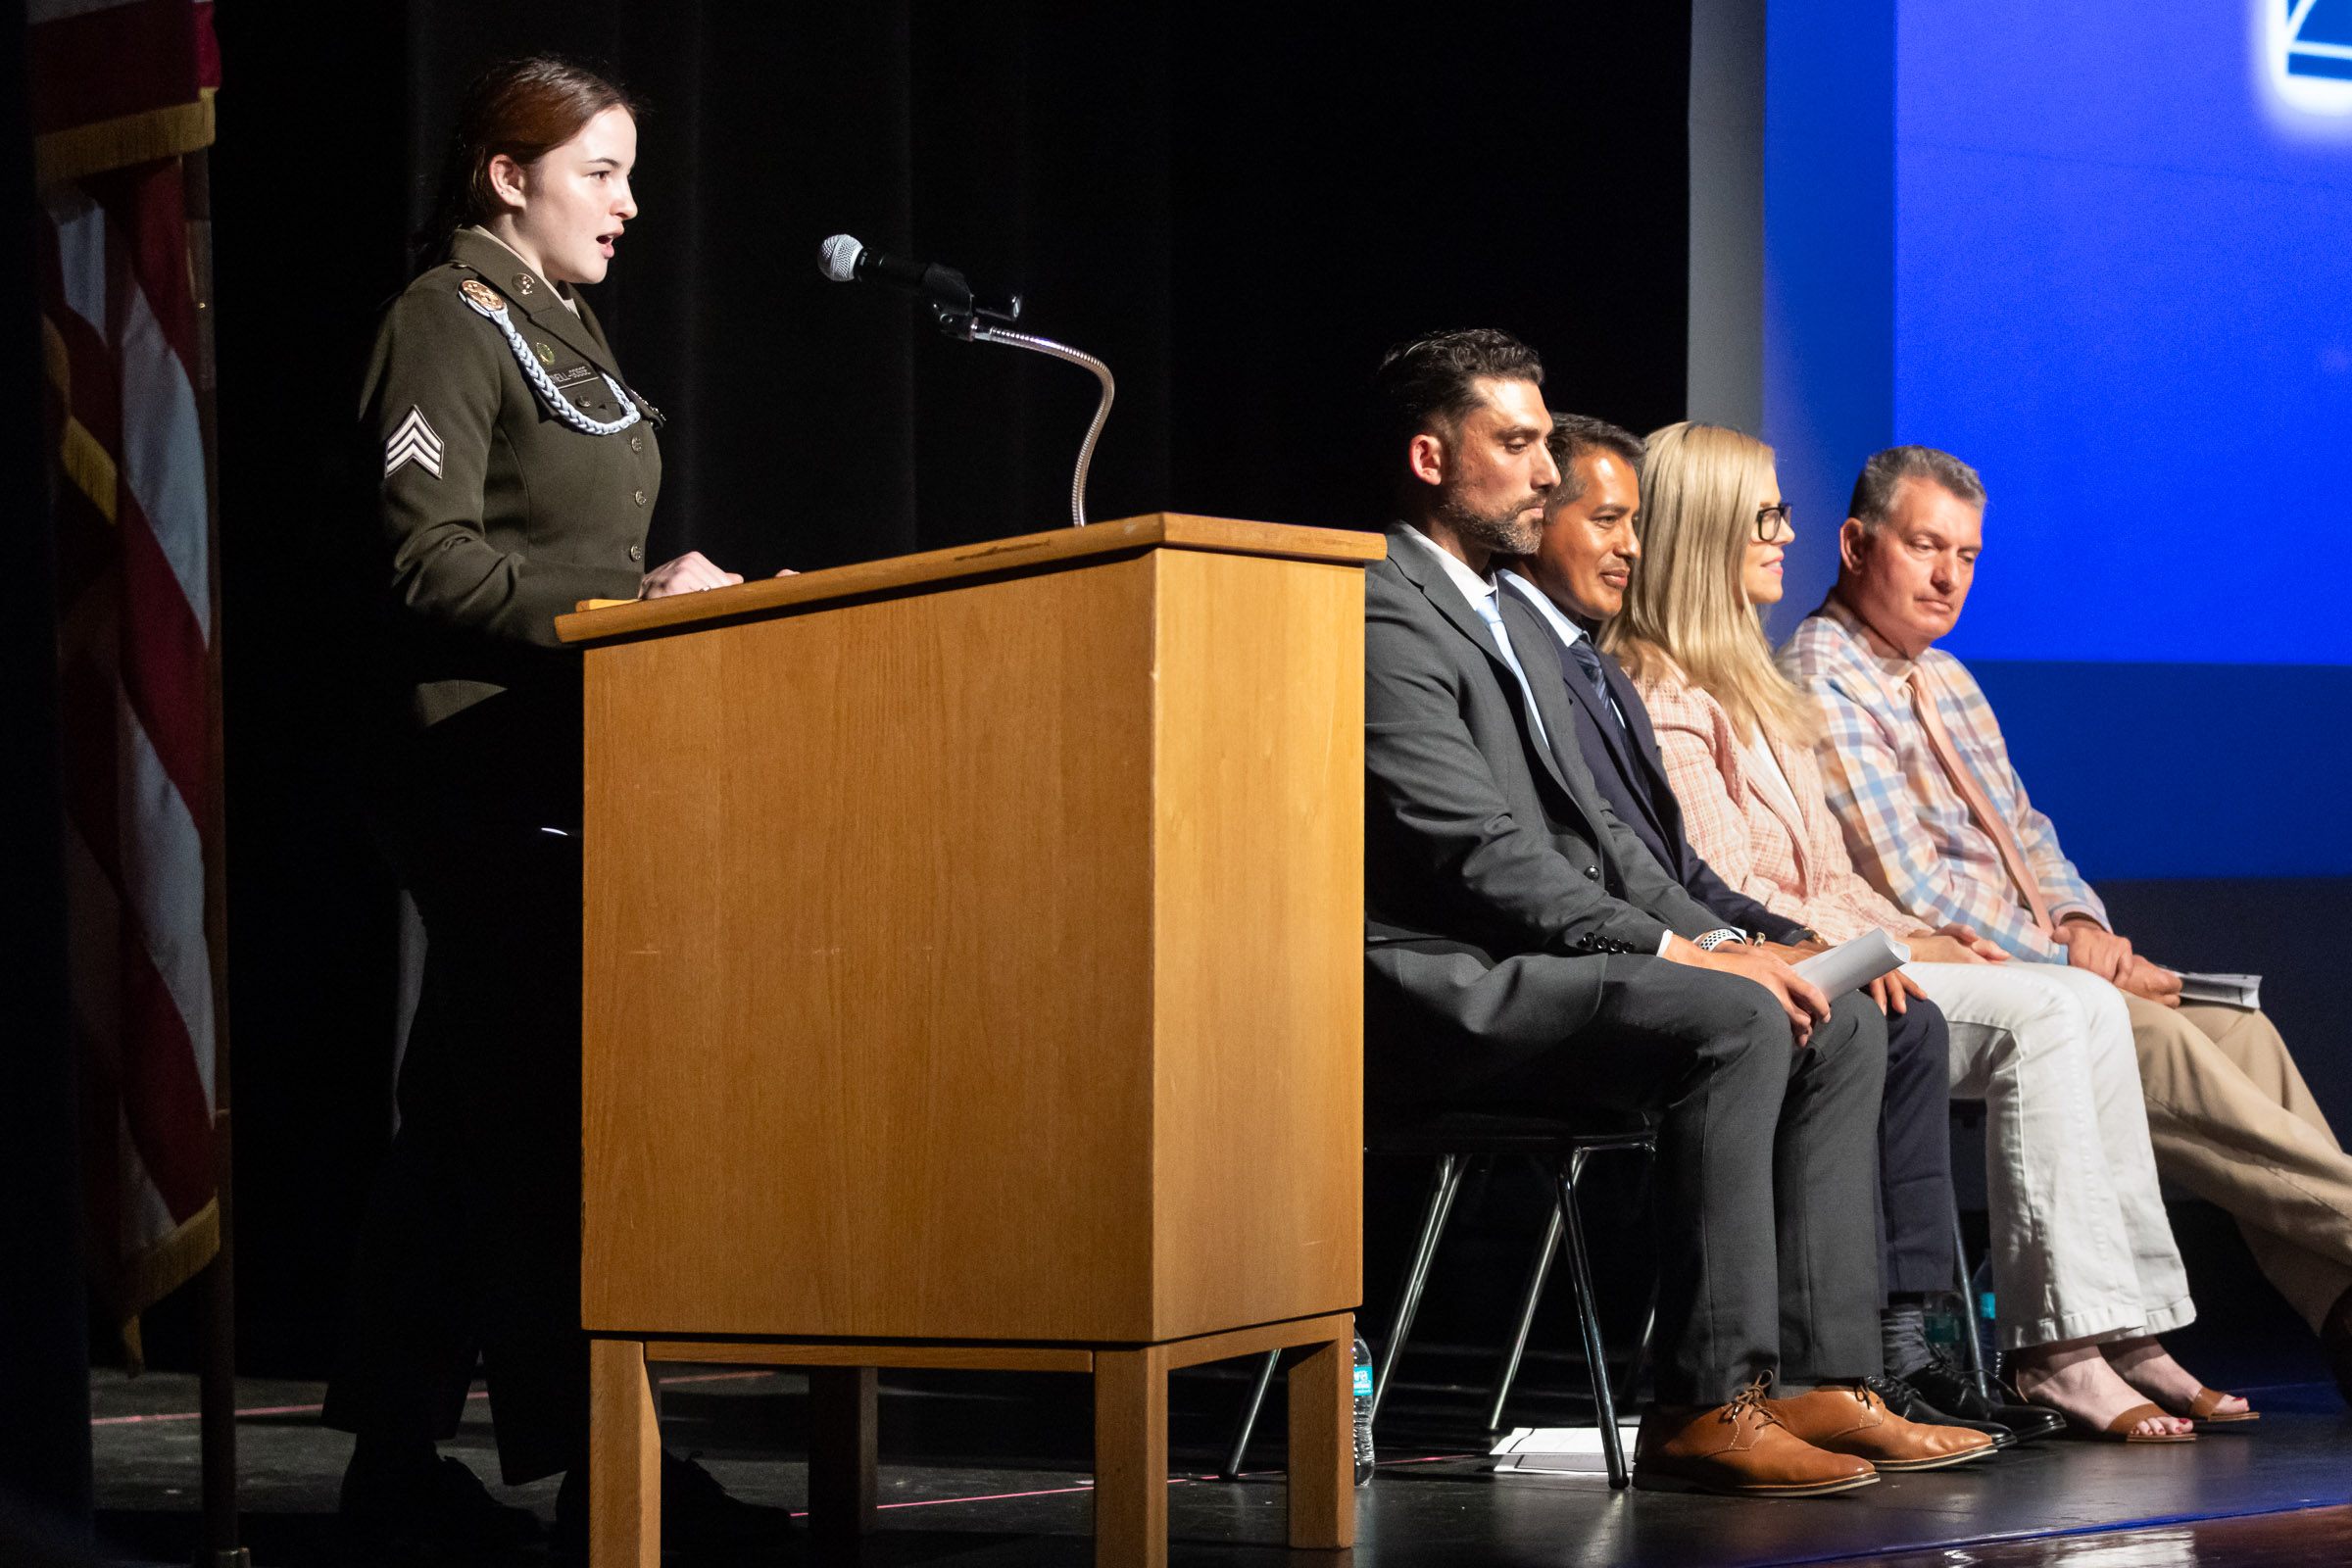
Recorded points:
(1718, 937)
(1803, 933)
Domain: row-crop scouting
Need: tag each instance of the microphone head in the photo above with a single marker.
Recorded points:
(838, 258)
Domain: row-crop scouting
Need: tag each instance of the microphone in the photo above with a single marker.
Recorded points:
(844, 259)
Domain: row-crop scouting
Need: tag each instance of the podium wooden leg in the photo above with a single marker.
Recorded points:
(624, 1458)
(841, 1458)
(1322, 1452)
(1131, 1458)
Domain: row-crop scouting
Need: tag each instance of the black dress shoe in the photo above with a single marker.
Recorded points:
(433, 1510)
(700, 1523)
(1952, 1391)
(703, 1523)
(1912, 1405)
(2335, 1344)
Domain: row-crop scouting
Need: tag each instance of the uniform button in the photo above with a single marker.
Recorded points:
(636, 443)
(1591, 873)
(636, 552)
(641, 497)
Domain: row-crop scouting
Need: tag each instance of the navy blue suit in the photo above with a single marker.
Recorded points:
(1632, 775)
(1915, 1152)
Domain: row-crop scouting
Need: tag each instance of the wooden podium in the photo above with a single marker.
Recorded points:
(974, 979)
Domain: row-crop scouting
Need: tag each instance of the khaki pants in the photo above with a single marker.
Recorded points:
(2231, 1122)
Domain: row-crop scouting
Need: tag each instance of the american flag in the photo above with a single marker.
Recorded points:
(121, 93)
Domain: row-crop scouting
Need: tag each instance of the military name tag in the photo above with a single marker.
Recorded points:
(578, 372)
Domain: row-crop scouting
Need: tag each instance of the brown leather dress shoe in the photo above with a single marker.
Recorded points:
(1847, 1418)
(1741, 1449)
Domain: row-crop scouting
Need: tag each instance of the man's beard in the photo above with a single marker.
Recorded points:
(1503, 533)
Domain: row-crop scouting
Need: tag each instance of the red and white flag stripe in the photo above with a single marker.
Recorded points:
(135, 580)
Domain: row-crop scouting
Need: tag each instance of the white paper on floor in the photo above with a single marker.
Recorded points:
(1558, 1450)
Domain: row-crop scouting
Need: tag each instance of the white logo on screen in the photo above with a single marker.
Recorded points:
(2310, 54)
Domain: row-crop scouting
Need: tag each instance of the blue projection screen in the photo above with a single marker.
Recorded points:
(2103, 251)
(2124, 291)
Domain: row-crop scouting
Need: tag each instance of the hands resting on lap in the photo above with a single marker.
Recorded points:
(2109, 956)
(1800, 999)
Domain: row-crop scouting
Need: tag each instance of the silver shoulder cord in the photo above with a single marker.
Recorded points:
(536, 373)
(983, 333)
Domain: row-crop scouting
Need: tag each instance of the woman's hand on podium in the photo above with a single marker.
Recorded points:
(689, 574)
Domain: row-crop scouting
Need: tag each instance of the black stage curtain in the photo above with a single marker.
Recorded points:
(44, 1371)
(1237, 207)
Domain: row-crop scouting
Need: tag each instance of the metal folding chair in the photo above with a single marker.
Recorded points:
(1456, 1140)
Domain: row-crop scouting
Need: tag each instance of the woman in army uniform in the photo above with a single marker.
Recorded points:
(517, 472)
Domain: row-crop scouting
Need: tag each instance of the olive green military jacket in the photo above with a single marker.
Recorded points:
(498, 515)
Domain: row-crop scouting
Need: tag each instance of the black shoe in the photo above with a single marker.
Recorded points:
(702, 1522)
(432, 1510)
(1912, 1405)
(2335, 1344)
(1948, 1389)
(699, 1521)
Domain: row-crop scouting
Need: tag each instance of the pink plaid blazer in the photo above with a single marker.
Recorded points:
(1740, 825)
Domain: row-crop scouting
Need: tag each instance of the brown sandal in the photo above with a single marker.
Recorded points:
(2201, 1408)
(2119, 1430)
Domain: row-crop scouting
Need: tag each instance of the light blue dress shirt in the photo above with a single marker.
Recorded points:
(1479, 591)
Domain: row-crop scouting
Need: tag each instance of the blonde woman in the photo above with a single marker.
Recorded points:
(2085, 1273)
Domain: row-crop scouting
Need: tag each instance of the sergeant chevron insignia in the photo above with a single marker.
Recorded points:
(413, 442)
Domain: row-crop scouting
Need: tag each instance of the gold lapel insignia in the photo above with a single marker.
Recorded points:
(482, 294)
(522, 284)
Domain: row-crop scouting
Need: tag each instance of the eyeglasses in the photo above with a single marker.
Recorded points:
(1771, 521)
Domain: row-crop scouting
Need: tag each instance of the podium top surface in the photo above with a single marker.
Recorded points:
(1167, 529)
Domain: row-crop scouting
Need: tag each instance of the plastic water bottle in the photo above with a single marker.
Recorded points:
(1988, 1339)
(1363, 1411)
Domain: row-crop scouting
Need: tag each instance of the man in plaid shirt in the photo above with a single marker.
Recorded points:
(1915, 767)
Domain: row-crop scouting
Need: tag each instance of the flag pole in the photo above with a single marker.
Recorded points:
(218, 1379)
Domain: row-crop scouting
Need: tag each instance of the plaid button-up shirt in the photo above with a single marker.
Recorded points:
(1907, 828)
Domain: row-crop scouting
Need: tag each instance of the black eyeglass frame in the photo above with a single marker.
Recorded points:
(1772, 521)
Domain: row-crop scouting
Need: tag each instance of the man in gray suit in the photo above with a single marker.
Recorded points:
(1523, 951)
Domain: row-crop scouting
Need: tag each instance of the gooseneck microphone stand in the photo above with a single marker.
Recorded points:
(1094, 431)
(844, 259)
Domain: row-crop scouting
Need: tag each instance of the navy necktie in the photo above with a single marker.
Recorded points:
(1589, 662)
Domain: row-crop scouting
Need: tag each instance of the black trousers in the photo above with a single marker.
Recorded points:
(1767, 1205)
(1915, 1152)
(471, 1245)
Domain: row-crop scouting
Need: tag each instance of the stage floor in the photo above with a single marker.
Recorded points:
(991, 1469)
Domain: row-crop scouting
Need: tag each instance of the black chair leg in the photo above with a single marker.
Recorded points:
(1539, 1271)
(1639, 1363)
(1445, 1183)
(1587, 1315)
(1971, 1354)
(1240, 1447)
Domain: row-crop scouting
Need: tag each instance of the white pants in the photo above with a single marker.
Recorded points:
(2081, 1246)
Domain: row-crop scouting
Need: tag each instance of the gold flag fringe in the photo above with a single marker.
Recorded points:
(139, 138)
(142, 1281)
